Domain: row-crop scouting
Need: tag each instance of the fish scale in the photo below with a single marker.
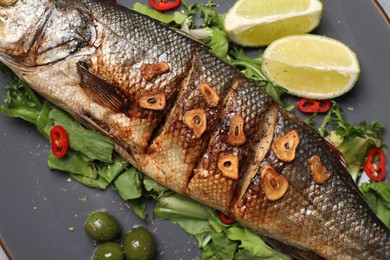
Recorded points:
(250, 104)
(176, 139)
(218, 138)
(105, 65)
(311, 205)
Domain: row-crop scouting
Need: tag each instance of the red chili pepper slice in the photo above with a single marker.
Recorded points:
(164, 5)
(306, 105)
(375, 168)
(59, 141)
(112, 1)
(225, 219)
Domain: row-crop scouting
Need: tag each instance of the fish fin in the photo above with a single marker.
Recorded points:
(295, 252)
(99, 90)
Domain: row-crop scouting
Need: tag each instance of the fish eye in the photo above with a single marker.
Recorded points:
(7, 2)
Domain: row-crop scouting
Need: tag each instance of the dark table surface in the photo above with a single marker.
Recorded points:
(38, 206)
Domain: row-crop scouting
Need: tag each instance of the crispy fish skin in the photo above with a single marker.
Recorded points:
(193, 123)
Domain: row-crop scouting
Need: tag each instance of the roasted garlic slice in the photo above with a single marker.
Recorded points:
(274, 184)
(210, 96)
(196, 120)
(154, 101)
(236, 136)
(319, 172)
(151, 71)
(228, 164)
(285, 146)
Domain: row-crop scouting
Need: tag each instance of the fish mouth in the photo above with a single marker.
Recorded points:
(19, 68)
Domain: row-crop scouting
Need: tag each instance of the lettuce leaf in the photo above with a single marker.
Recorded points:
(252, 246)
(88, 142)
(189, 214)
(377, 195)
(220, 248)
(98, 183)
(130, 187)
(100, 168)
(218, 240)
(75, 163)
(129, 184)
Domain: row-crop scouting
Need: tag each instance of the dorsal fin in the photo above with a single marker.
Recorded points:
(100, 91)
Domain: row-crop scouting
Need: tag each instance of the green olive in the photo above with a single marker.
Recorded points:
(138, 244)
(108, 251)
(101, 226)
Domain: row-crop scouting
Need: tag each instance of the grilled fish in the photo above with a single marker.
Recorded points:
(191, 122)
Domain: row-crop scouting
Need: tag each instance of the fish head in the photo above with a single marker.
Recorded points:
(17, 18)
(41, 32)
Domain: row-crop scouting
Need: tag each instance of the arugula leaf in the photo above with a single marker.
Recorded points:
(251, 67)
(218, 240)
(218, 42)
(210, 29)
(20, 100)
(377, 195)
(353, 141)
(210, 17)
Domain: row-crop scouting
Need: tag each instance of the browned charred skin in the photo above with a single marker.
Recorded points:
(151, 71)
(275, 162)
(7, 2)
(274, 184)
(210, 96)
(144, 117)
(196, 120)
(176, 149)
(236, 136)
(253, 192)
(152, 101)
(282, 201)
(319, 172)
(285, 146)
(228, 164)
(202, 186)
(261, 147)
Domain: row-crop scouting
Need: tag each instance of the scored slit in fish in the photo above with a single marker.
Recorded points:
(193, 123)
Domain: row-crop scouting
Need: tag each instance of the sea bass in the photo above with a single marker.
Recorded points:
(191, 122)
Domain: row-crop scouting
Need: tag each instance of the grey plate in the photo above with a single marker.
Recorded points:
(37, 206)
